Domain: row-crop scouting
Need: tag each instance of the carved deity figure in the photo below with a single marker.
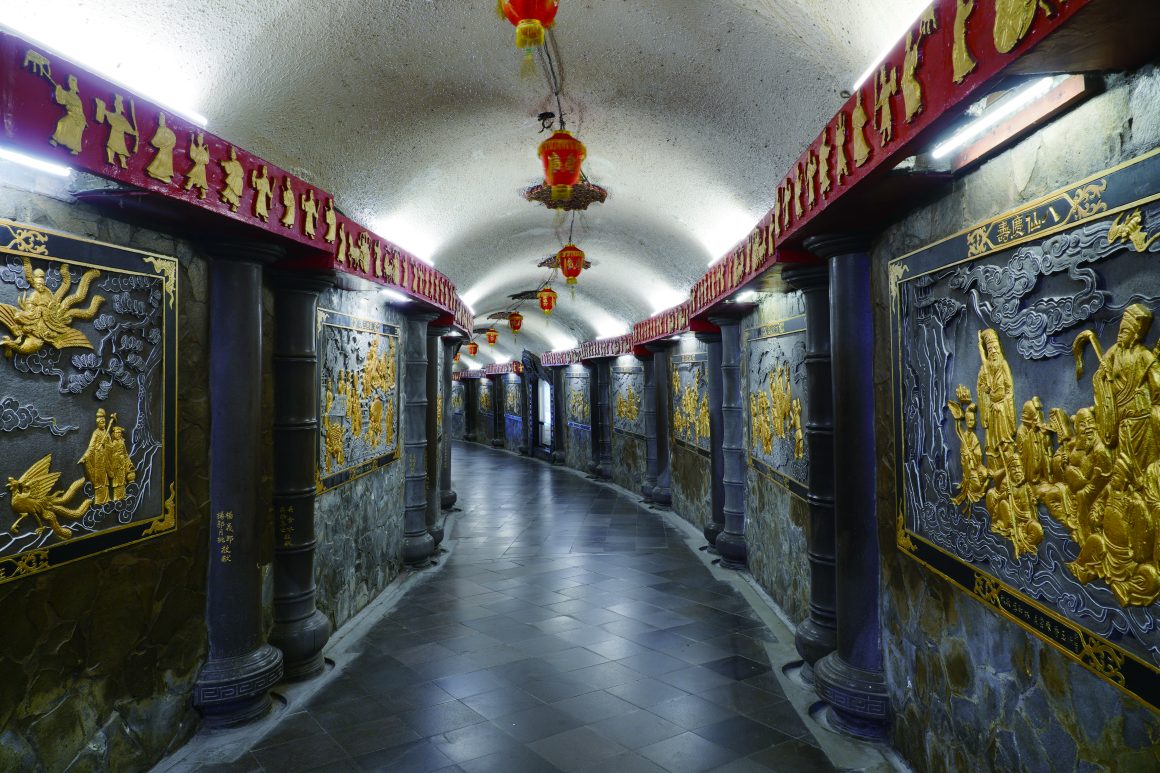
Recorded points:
(1086, 469)
(811, 171)
(263, 192)
(117, 147)
(234, 184)
(199, 155)
(330, 219)
(375, 424)
(911, 88)
(121, 472)
(289, 205)
(1012, 505)
(44, 317)
(309, 213)
(96, 458)
(996, 391)
(70, 129)
(1013, 19)
(858, 121)
(332, 431)
(824, 164)
(976, 476)
(961, 57)
(1033, 443)
(885, 86)
(164, 141)
(32, 496)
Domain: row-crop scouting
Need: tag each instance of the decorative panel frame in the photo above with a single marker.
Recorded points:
(90, 387)
(628, 400)
(775, 382)
(1050, 515)
(577, 396)
(690, 401)
(359, 361)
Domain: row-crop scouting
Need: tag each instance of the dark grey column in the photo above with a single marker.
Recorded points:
(713, 373)
(851, 679)
(300, 629)
(498, 419)
(418, 544)
(817, 636)
(594, 419)
(233, 686)
(731, 542)
(603, 406)
(471, 409)
(649, 401)
(559, 415)
(662, 492)
(435, 430)
(447, 495)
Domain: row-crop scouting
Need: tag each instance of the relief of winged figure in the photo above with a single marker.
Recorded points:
(33, 495)
(44, 317)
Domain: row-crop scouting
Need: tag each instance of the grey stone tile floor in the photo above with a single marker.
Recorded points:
(569, 629)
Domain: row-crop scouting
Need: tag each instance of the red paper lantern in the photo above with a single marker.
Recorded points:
(562, 156)
(515, 322)
(472, 348)
(547, 298)
(531, 18)
(571, 260)
(492, 336)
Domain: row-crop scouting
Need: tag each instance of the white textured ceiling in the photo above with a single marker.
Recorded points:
(413, 114)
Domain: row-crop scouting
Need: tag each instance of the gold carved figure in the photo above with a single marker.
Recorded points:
(798, 185)
(841, 165)
(976, 476)
(234, 184)
(964, 64)
(117, 147)
(885, 86)
(1131, 230)
(824, 164)
(121, 472)
(628, 405)
(340, 256)
(309, 213)
(289, 204)
(858, 121)
(44, 317)
(811, 171)
(329, 218)
(96, 458)
(32, 496)
(70, 129)
(1033, 443)
(332, 431)
(996, 396)
(1012, 505)
(911, 88)
(164, 141)
(199, 155)
(263, 192)
(1013, 19)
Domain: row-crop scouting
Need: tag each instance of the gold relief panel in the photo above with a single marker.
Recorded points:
(627, 399)
(1027, 402)
(359, 427)
(89, 396)
(576, 392)
(690, 400)
(776, 389)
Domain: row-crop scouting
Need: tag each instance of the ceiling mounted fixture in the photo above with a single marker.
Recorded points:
(531, 18)
(547, 298)
(571, 261)
(562, 156)
(584, 194)
(492, 336)
(515, 322)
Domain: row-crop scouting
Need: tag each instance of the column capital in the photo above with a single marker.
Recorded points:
(281, 279)
(828, 246)
(243, 250)
(807, 276)
(660, 347)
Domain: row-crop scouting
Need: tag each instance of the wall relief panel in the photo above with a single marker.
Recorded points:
(628, 399)
(1027, 406)
(690, 400)
(576, 392)
(458, 414)
(88, 401)
(359, 431)
(775, 378)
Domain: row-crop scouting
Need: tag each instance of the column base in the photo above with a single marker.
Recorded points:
(734, 552)
(646, 491)
(235, 691)
(301, 643)
(557, 457)
(417, 550)
(858, 702)
(436, 533)
(604, 470)
(814, 641)
(448, 499)
(712, 531)
(662, 496)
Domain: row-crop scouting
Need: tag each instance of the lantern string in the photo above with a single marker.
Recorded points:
(554, 81)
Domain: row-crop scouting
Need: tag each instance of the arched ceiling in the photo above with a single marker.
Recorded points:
(413, 114)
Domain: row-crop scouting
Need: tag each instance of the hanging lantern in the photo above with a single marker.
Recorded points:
(562, 156)
(531, 18)
(547, 298)
(571, 262)
(455, 358)
(515, 322)
(492, 336)
(472, 348)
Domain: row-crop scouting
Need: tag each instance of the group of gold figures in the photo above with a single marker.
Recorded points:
(378, 378)
(108, 469)
(578, 407)
(1096, 471)
(484, 398)
(628, 405)
(690, 409)
(777, 414)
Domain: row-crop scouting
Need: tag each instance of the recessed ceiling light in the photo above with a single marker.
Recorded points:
(34, 163)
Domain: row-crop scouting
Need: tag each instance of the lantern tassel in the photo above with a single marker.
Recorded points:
(499, 9)
(572, 290)
(528, 67)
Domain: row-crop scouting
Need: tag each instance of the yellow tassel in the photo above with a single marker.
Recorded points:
(561, 192)
(499, 9)
(529, 34)
(528, 68)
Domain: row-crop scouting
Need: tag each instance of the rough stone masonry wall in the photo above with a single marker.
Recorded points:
(99, 657)
(971, 690)
(360, 524)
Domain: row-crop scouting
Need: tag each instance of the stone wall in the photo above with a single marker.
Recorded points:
(100, 656)
(971, 690)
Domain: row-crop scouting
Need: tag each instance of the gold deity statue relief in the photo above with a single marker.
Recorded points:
(1096, 472)
(777, 415)
(42, 316)
(106, 460)
(628, 405)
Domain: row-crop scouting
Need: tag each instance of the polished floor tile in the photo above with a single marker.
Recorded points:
(570, 629)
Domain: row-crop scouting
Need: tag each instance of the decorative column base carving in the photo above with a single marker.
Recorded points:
(859, 705)
(301, 641)
(234, 691)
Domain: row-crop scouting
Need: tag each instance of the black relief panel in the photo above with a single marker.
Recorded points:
(88, 397)
(690, 400)
(1027, 409)
(628, 400)
(775, 383)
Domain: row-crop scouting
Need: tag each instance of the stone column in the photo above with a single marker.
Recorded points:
(662, 493)
(447, 495)
(498, 420)
(603, 406)
(233, 685)
(649, 408)
(300, 629)
(713, 374)
(470, 409)
(559, 415)
(593, 419)
(418, 544)
(851, 679)
(731, 542)
(435, 429)
(817, 636)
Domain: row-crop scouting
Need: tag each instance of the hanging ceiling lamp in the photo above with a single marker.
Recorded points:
(492, 336)
(515, 322)
(531, 18)
(562, 156)
(571, 260)
(547, 297)
(472, 348)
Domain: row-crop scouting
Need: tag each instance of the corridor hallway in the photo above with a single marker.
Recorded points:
(568, 628)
